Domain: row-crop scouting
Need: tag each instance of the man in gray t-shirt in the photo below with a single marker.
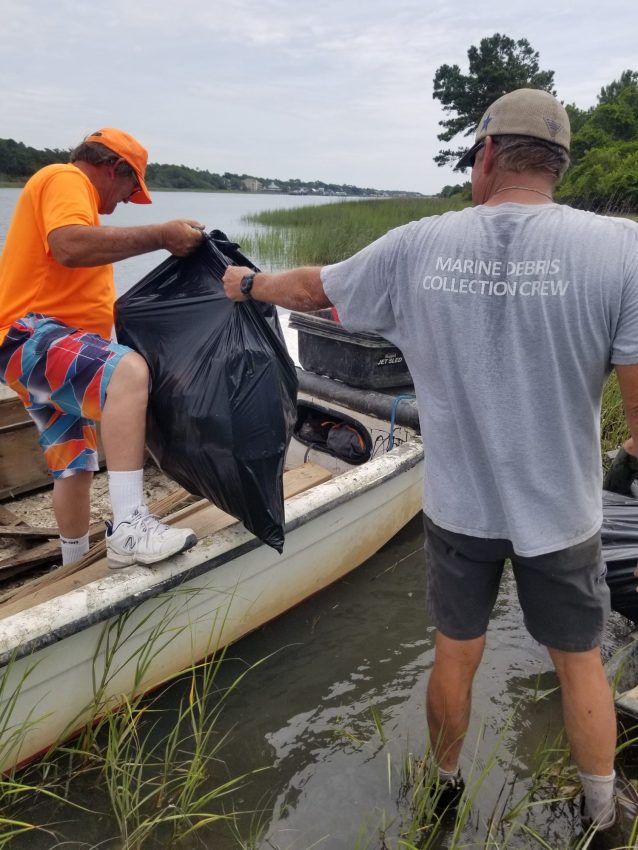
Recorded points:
(510, 316)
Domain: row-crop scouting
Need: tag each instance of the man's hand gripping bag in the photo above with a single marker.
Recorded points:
(223, 395)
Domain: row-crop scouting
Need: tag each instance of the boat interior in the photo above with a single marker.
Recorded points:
(329, 439)
(178, 508)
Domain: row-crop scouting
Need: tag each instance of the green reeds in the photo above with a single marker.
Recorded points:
(317, 235)
(14, 687)
(168, 789)
(163, 790)
(613, 425)
(155, 789)
(536, 810)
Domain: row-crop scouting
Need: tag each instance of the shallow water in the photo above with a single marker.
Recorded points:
(364, 645)
(333, 776)
(215, 210)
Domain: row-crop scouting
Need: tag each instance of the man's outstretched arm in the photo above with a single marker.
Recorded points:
(78, 245)
(298, 289)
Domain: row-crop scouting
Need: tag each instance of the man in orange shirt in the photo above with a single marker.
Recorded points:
(56, 316)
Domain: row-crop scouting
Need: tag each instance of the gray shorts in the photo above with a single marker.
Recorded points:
(564, 595)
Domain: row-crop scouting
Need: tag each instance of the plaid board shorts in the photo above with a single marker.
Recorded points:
(61, 375)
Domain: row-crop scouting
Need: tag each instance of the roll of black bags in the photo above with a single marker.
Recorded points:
(223, 396)
(619, 533)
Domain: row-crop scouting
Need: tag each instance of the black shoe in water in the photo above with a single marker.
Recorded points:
(435, 810)
(447, 794)
(622, 834)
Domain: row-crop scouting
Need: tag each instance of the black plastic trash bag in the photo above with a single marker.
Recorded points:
(619, 534)
(223, 395)
(622, 474)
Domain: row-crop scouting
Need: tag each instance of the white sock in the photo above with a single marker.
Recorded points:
(73, 548)
(448, 775)
(599, 798)
(127, 493)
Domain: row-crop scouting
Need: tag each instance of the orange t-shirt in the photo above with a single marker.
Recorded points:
(31, 280)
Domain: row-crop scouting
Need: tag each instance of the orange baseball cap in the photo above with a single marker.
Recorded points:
(125, 146)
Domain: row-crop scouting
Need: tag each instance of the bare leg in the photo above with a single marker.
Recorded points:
(123, 432)
(588, 709)
(71, 503)
(123, 428)
(449, 696)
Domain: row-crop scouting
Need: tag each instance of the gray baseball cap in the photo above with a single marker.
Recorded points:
(524, 112)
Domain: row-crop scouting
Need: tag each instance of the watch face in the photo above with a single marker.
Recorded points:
(246, 284)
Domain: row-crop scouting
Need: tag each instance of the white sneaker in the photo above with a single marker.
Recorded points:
(143, 539)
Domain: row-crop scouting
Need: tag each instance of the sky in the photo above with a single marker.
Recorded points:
(338, 90)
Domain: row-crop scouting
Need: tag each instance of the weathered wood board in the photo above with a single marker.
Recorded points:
(22, 466)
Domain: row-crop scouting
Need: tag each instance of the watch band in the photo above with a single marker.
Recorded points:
(246, 284)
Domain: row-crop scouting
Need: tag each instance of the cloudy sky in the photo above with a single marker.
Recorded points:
(338, 90)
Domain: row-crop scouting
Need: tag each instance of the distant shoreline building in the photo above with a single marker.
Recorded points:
(252, 184)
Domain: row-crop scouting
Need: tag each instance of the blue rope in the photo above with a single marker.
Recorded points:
(395, 404)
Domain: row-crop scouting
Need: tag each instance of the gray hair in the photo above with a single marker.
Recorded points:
(526, 153)
(98, 154)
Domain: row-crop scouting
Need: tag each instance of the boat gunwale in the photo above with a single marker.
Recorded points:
(412, 451)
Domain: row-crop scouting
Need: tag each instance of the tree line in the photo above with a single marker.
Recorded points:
(604, 150)
(18, 162)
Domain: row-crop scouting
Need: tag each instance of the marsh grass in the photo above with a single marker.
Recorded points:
(613, 426)
(112, 656)
(12, 735)
(427, 823)
(544, 813)
(535, 810)
(317, 235)
(154, 787)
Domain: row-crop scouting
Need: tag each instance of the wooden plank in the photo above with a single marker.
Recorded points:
(12, 411)
(21, 462)
(25, 530)
(6, 392)
(45, 553)
(207, 520)
(7, 517)
(22, 465)
(49, 552)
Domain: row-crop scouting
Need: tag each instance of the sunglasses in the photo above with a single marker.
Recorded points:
(473, 157)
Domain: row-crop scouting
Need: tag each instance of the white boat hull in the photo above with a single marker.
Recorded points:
(67, 659)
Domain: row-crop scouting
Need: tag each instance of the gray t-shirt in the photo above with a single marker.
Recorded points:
(509, 318)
